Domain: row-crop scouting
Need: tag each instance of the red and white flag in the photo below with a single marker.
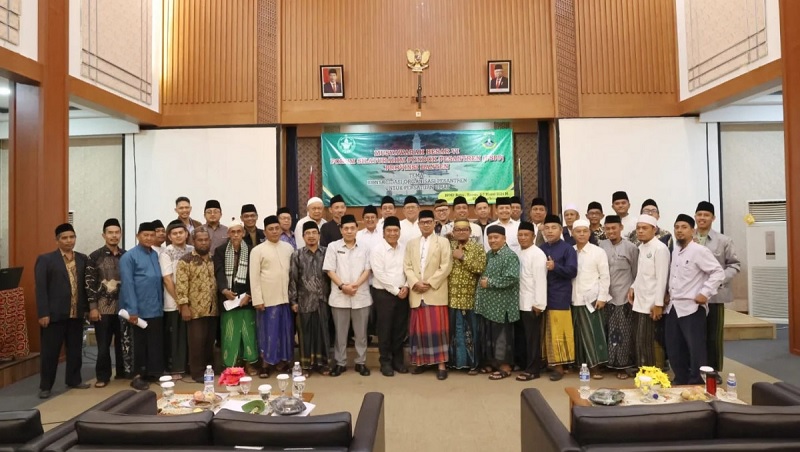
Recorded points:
(311, 183)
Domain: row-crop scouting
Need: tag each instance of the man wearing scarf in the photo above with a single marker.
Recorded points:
(238, 325)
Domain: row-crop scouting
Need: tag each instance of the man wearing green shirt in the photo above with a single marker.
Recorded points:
(497, 302)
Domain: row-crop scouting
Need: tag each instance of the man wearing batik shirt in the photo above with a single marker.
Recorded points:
(695, 276)
(532, 300)
(285, 220)
(562, 267)
(647, 293)
(594, 213)
(218, 231)
(331, 231)
(315, 211)
(497, 303)
(469, 261)
(175, 347)
(503, 207)
(649, 207)
(623, 260)
(441, 212)
(309, 289)
(390, 297)
(461, 212)
(252, 234)
(427, 264)
(102, 290)
(196, 291)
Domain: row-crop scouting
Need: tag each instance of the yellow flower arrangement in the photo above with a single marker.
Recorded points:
(659, 377)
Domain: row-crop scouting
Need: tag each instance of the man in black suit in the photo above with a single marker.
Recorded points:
(333, 85)
(499, 81)
(61, 303)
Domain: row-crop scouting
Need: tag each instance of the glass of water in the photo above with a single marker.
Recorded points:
(264, 391)
(298, 386)
(244, 384)
(283, 383)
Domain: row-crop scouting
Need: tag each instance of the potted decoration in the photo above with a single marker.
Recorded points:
(650, 379)
(230, 378)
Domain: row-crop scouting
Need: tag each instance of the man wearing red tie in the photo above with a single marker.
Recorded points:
(333, 85)
(499, 81)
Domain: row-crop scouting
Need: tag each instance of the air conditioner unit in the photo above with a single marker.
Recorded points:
(767, 263)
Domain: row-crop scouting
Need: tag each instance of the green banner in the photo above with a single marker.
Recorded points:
(364, 167)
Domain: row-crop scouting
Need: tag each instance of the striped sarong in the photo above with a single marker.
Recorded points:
(276, 334)
(464, 339)
(715, 329)
(619, 326)
(559, 337)
(644, 339)
(590, 336)
(428, 335)
(239, 336)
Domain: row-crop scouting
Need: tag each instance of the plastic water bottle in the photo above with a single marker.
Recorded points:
(584, 377)
(731, 389)
(208, 380)
(297, 371)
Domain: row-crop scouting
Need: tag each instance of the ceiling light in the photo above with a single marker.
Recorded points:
(5, 91)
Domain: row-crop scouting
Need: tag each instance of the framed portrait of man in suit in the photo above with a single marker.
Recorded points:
(331, 80)
(499, 76)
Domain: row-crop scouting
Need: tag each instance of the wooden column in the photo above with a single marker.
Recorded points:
(790, 54)
(39, 154)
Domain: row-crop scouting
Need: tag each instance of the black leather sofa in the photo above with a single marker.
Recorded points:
(103, 431)
(21, 431)
(686, 427)
(776, 394)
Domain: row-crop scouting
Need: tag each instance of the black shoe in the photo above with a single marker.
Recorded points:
(441, 374)
(338, 370)
(401, 369)
(139, 384)
(362, 369)
(387, 370)
(44, 394)
(79, 386)
(555, 376)
(418, 370)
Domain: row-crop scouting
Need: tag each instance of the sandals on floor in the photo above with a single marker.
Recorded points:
(473, 372)
(525, 376)
(499, 375)
(101, 384)
(485, 370)
(324, 371)
(597, 376)
(263, 373)
(622, 376)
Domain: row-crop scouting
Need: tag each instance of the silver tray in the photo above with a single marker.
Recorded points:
(607, 397)
(287, 406)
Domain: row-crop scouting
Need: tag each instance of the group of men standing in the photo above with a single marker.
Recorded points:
(484, 296)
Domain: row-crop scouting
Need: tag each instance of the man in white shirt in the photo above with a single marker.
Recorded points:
(461, 212)
(347, 265)
(646, 295)
(503, 206)
(390, 297)
(589, 297)
(370, 236)
(387, 210)
(621, 204)
(161, 237)
(695, 276)
(175, 338)
(315, 210)
(409, 229)
(532, 299)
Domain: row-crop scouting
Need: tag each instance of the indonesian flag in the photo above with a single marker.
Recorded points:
(311, 183)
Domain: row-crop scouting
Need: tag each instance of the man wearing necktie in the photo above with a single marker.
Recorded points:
(499, 82)
(333, 85)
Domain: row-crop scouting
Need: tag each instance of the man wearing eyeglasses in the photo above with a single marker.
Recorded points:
(218, 231)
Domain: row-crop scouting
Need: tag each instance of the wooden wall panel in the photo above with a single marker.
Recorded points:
(209, 62)
(627, 57)
(370, 39)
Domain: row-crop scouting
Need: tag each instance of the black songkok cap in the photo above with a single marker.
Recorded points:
(146, 227)
(369, 209)
(391, 221)
(460, 200)
(426, 214)
(282, 211)
(619, 195)
(515, 200)
(387, 200)
(613, 219)
(550, 218)
(349, 219)
(157, 224)
(538, 202)
(111, 222)
(410, 200)
(64, 227)
(502, 201)
(440, 202)
(310, 225)
(705, 206)
(335, 199)
(248, 208)
(212, 204)
(481, 199)
(498, 66)
(595, 205)
(685, 218)
(496, 229)
(649, 202)
(526, 226)
(176, 224)
(272, 219)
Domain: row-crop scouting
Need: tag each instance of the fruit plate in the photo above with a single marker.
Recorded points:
(203, 404)
(287, 406)
(607, 397)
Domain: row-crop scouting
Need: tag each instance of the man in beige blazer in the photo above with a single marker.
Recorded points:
(427, 265)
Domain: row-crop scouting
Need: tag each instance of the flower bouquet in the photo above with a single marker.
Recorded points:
(657, 377)
(231, 376)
